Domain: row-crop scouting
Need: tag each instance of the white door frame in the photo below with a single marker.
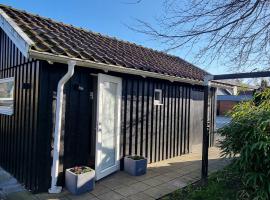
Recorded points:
(102, 173)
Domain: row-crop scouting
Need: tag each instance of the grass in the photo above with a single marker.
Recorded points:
(222, 185)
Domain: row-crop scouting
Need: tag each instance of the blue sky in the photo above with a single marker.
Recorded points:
(108, 17)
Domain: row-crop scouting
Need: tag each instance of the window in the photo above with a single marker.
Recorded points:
(158, 97)
(6, 96)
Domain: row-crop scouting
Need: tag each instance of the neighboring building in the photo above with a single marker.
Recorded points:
(122, 99)
(228, 97)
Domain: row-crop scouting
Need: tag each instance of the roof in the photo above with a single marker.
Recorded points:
(60, 39)
(233, 82)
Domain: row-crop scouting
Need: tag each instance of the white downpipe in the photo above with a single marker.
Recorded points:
(57, 130)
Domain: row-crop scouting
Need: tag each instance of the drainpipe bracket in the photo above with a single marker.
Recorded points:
(55, 190)
(72, 62)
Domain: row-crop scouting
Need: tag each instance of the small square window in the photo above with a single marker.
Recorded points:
(6, 96)
(158, 97)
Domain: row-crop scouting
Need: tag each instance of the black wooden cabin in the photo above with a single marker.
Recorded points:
(160, 110)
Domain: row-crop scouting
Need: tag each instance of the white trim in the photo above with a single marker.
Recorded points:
(4, 80)
(117, 68)
(1, 99)
(109, 67)
(100, 174)
(15, 33)
(158, 102)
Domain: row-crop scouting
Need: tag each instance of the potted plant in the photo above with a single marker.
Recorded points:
(80, 179)
(135, 165)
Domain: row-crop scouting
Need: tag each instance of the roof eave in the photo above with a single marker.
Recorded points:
(108, 67)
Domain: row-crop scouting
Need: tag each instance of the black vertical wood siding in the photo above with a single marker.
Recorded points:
(157, 132)
(18, 132)
(77, 132)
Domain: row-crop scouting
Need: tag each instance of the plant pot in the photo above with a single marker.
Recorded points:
(79, 183)
(135, 167)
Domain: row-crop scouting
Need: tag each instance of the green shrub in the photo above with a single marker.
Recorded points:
(248, 137)
(224, 184)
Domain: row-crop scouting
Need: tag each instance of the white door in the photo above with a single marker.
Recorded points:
(108, 125)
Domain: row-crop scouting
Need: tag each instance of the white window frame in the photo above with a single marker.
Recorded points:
(6, 110)
(159, 101)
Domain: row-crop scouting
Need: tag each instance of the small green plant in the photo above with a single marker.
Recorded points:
(224, 184)
(248, 137)
(80, 169)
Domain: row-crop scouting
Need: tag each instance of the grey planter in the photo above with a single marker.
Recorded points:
(135, 167)
(80, 183)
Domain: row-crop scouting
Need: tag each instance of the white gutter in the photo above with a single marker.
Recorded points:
(116, 68)
(58, 122)
(109, 67)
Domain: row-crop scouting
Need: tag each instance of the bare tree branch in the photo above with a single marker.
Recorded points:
(236, 31)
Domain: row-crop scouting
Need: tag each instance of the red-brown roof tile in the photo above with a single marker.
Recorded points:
(61, 39)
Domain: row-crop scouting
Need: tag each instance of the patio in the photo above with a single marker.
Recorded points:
(162, 178)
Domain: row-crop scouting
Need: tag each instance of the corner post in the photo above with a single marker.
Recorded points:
(205, 142)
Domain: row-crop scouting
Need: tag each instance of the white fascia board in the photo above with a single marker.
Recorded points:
(220, 85)
(15, 33)
(115, 68)
(107, 67)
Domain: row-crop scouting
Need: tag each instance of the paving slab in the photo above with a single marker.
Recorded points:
(86, 196)
(23, 195)
(111, 195)
(161, 179)
(140, 196)
(10, 187)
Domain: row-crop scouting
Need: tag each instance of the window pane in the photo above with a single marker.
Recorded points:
(109, 116)
(6, 93)
(6, 90)
(157, 95)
